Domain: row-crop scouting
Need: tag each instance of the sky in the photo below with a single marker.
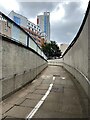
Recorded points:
(65, 15)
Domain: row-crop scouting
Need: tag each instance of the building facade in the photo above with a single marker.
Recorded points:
(63, 47)
(17, 18)
(5, 27)
(28, 26)
(43, 21)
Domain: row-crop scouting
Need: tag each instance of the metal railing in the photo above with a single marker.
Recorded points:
(12, 30)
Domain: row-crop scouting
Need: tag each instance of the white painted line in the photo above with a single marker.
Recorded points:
(39, 104)
(53, 78)
(63, 78)
(35, 109)
(31, 113)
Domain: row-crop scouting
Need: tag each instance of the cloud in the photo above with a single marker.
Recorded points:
(7, 5)
(32, 9)
(65, 16)
(57, 14)
(64, 30)
(84, 4)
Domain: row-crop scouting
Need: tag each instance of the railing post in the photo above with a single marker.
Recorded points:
(27, 40)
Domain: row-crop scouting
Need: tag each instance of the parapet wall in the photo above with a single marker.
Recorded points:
(76, 59)
(20, 65)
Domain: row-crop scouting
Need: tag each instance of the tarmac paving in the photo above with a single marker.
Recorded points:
(65, 97)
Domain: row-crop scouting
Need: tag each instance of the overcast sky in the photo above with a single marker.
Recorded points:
(65, 15)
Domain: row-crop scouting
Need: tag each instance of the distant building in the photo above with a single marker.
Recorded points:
(31, 28)
(43, 21)
(17, 18)
(63, 47)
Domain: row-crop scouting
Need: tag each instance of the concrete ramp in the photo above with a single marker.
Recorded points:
(52, 95)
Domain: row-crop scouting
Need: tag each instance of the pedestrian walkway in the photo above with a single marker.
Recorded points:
(54, 94)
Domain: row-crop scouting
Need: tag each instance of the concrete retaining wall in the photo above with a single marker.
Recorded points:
(56, 62)
(77, 58)
(20, 65)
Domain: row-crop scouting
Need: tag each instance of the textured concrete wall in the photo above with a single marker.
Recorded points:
(19, 66)
(77, 59)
